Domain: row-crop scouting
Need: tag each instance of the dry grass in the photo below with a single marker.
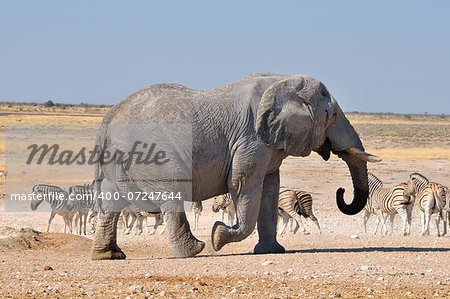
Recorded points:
(388, 135)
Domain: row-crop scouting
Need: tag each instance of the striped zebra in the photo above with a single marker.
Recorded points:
(197, 209)
(386, 202)
(371, 207)
(83, 195)
(293, 204)
(59, 202)
(431, 199)
(138, 217)
(224, 203)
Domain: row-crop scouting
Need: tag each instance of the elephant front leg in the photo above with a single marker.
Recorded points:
(104, 245)
(247, 207)
(267, 218)
(184, 244)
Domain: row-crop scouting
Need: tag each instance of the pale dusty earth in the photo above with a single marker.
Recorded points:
(342, 262)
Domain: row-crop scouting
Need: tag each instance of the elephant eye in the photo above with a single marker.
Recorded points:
(324, 93)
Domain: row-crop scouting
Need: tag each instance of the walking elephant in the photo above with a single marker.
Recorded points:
(237, 138)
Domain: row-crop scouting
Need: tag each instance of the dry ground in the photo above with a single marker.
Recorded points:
(342, 262)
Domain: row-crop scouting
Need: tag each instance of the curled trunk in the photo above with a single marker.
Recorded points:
(358, 171)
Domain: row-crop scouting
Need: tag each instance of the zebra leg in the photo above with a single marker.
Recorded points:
(444, 219)
(404, 214)
(85, 215)
(314, 219)
(222, 213)
(366, 217)
(427, 222)
(297, 218)
(139, 224)
(291, 223)
(384, 227)
(438, 220)
(285, 217)
(422, 221)
(52, 215)
(163, 220)
(409, 216)
(158, 220)
(377, 222)
(391, 218)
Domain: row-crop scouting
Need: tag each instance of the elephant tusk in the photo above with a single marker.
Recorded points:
(363, 155)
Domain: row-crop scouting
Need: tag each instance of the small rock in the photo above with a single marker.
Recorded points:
(354, 236)
(266, 263)
(162, 293)
(148, 275)
(80, 285)
(365, 268)
(48, 268)
(233, 291)
(136, 287)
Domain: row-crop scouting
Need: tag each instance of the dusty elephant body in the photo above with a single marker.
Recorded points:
(241, 133)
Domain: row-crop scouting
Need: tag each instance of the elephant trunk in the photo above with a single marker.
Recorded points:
(358, 171)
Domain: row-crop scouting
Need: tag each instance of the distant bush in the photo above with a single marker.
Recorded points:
(407, 116)
(49, 104)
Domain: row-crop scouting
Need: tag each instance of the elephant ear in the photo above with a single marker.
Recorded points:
(285, 117)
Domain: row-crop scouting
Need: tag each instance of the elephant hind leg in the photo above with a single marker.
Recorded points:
(184, 244)
(104, 245)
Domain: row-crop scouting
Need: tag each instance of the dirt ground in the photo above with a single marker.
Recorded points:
(341, 262)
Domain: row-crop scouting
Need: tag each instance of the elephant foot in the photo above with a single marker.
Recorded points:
(188, 249)
(264, 248)
(220, 235)
(108, 255)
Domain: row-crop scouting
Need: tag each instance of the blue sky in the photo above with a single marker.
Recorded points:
(374, 56)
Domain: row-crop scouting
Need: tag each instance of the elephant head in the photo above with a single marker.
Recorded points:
(298, 115)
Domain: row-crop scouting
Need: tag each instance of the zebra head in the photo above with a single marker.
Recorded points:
(416, 182)
(221, 202)
(35, 202)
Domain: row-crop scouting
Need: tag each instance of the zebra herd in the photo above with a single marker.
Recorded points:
(69, 209)
(430, 198)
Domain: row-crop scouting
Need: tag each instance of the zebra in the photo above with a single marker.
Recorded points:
(293, 204)
(138, 216)
(388, 201)
(60, 206)
(431, 199)
(197, 209)
(371, 206)
(86, 203)
(224, 203)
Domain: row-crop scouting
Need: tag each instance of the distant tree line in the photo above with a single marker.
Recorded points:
(50, 103)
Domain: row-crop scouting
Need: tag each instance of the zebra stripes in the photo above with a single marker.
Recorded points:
(385, 202)
(431, 199)
(58, 200)
(83, 195)
(224, 203)
(292, 204)
(138, 216)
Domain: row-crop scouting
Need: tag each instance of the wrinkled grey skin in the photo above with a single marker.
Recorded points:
(241, 133)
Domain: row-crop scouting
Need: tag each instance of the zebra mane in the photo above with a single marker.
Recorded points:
(373, 178)
(417, 175)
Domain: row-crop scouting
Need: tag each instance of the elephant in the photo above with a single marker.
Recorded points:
(237, 138)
